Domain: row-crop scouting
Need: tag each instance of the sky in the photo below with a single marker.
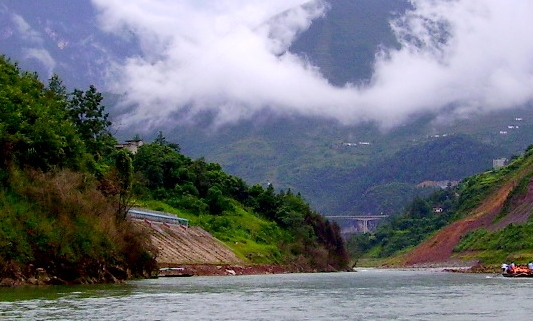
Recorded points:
(457, 58)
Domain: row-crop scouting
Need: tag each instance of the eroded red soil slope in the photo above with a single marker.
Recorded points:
(439, 248)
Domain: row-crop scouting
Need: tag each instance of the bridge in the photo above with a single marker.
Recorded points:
(362, 221)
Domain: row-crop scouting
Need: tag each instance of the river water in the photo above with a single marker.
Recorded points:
(371, 294)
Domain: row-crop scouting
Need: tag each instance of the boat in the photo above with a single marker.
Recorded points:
(517, 271)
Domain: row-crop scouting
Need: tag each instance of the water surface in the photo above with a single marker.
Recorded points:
(363, 295)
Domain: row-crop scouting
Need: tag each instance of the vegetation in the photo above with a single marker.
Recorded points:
(257, 222)
(513, 241)
(340, 179)
(65, 191)
(421, 218)
(55, 153)
(506, 238)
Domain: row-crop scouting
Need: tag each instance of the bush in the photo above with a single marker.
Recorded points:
(61, 219)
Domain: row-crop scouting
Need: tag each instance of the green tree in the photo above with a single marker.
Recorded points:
(34, 128)
(159, 165)
(124, 166)
(162, 141)
(216, 201)
(92, 122)
(57, 89)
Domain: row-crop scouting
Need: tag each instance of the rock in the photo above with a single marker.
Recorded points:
(231, 272)
(8, 283)
(57, 281)
(33, 281)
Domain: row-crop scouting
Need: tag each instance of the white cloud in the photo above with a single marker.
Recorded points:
(42, 56)
(231, 56)
(25, 30)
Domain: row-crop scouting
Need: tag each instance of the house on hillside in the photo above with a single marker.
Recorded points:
(439, 184)
(499, 162)
(131, 145)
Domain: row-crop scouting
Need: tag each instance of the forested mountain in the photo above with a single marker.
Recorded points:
(487, 218)
(337, 168)
(334, 171)
(65, 190)
(386, 186)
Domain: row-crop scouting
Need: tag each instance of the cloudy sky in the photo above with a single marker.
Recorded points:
(458, 57)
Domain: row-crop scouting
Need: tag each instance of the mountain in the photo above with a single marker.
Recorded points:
(345, 42)
(493, 222)
(337, 168)
(60, 36)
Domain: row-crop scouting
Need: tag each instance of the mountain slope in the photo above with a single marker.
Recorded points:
(62, 37)
(500, 218)
(345, 42)
(318, 157)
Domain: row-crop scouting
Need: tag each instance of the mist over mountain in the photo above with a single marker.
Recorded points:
(301, 94)
(173, 61)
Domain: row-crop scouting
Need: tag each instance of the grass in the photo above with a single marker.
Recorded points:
(250, 237)
(60, 219)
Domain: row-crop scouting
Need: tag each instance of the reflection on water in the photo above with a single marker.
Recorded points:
(364, 295)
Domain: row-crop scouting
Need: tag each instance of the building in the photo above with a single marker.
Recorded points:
(500, 162)
(131, 145)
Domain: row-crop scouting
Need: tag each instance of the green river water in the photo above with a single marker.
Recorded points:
(364, 295)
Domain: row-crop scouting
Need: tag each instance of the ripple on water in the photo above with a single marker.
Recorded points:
(368, 295)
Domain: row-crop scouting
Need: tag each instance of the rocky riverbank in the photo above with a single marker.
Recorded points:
(231, 269)
(212, 270)
(14, 274)
(26, 276)
(477, 268)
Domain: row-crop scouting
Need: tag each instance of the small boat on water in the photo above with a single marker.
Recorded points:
(517, 271)
(174, 272)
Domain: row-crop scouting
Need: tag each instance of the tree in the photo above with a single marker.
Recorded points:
(162, 141)
(89, 116)
(159, 165)
(34, 127)
(56, 88)
(124, 166)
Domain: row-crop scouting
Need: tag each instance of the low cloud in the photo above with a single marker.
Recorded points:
(231, 56)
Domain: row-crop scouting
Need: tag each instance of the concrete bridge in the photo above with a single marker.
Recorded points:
(362, 222)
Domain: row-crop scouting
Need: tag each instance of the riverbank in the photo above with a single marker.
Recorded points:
(228, 269)
(233, 269)
(478, 268)
(451, 265)
(15, 274)
(30, 276)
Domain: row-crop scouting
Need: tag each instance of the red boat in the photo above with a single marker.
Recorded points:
(517, 271)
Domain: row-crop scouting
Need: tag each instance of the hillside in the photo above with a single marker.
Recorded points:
(66, 186)
(310, 155)
(495, 220)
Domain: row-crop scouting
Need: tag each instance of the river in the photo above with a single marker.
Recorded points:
(371, 294)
